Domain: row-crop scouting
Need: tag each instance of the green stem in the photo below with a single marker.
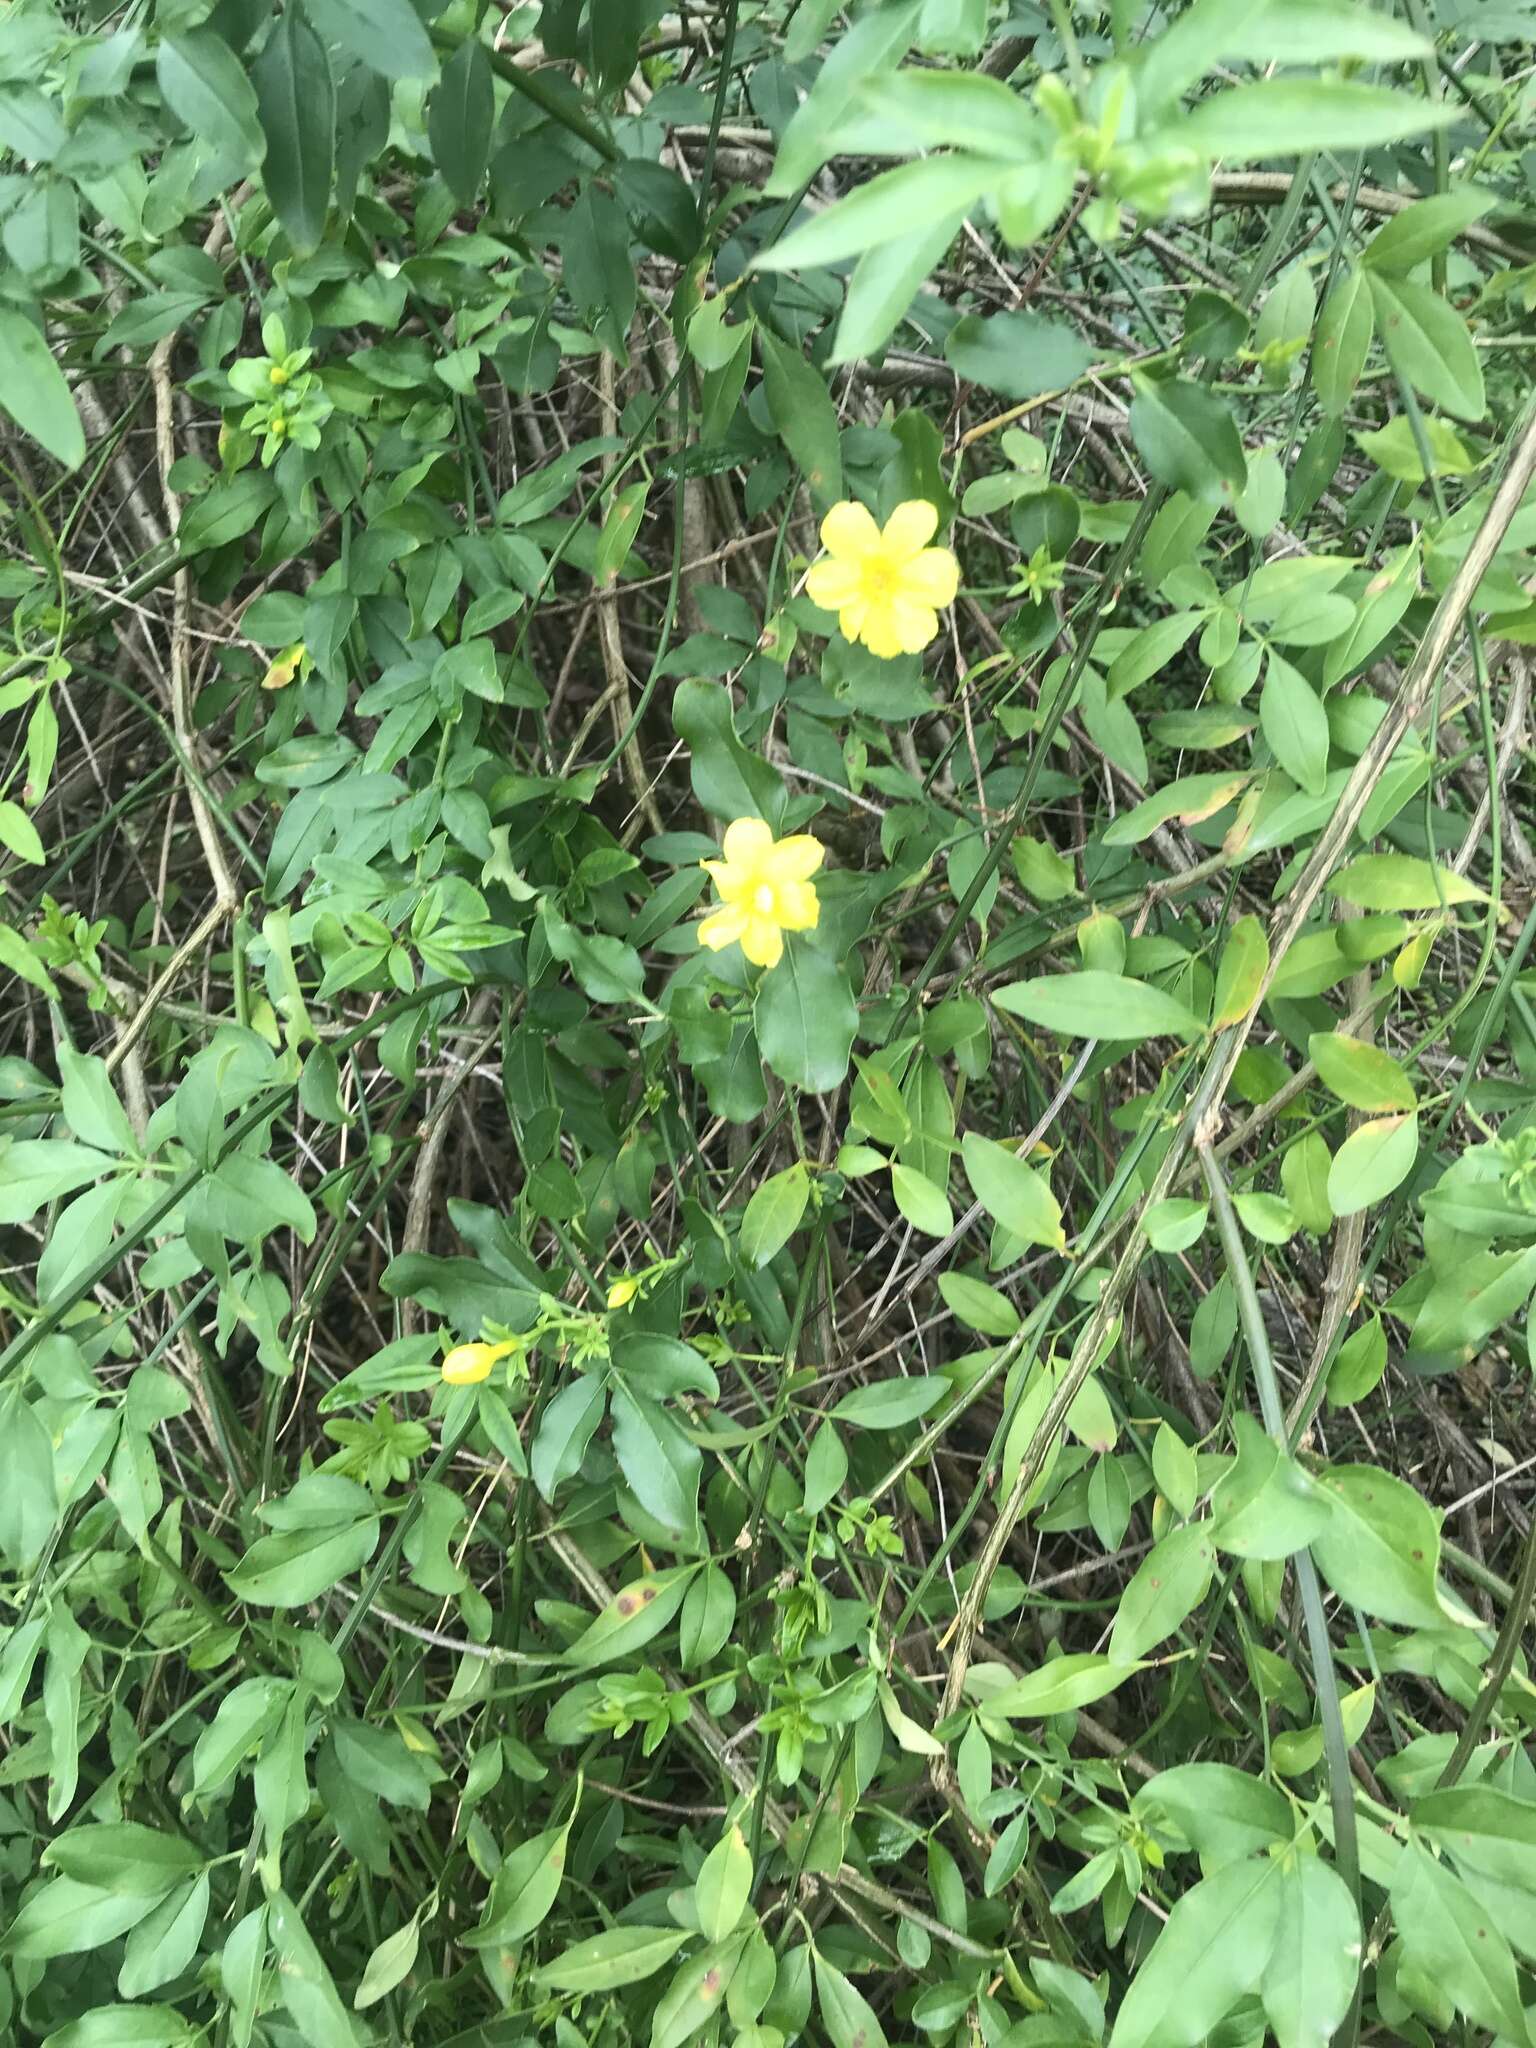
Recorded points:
(1324, 1678)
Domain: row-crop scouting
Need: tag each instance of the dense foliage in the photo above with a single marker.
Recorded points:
(766, 1105)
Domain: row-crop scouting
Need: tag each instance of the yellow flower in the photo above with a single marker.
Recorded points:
(622, 1292)
(467, 1364)
(886, 584)
(766, 888)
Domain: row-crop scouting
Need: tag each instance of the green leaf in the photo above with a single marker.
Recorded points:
(1345, 329)
(523, 1891)
(90, 1104)
(891, 1404)
(389, 1964)
(606, 1962)
(1213, 1950)
(1396, 881)
(846, 2013)
(293, 1569)
(231, 508)
(660, 1466)
(124, 2026)
(1169, 1583)
(164, 1943)
(826, 1467)
(1315, 1965)
(1240, 975)
(1424, 228)
(28, 1504)
(1317, 31)
(1453, 1941)
(883, 286)
(729, 780)
(66, 1918)
(568, 1425)
(1266, 1505)
(1465, 1305)
(803, 416)
(1359, 1073)
(123, 1856)
(325, 1529)
(921, 1201)
(1017, 355)
(708, 1616)
(1008, 1853)
(1174, 1225)
(1486, 1830)
(1361, 1361)
(33, 391)
(977, 1305)
(635, 1614)
(773, 1215)
(19, 835)
(1295, 724)
(1189, 439)
(1372, 1161)
(1092, 1004)
(723, 1885)
(805, 1018)
(1429, 345)
(1304, 1168)
(385, 35)
(1175, 1470)
(1150, 650)
(205, 86)
(1189, 799)
(248, 1198)
(1223, 1813)
(304, 1982)
(460, 114)
(1265, 1216)
(889, 207)
(296, 102)
(695, 1994)
(875, 44)
(1287, 116)
(1058, 1686)
(1380, 1549)
(1011, 1191)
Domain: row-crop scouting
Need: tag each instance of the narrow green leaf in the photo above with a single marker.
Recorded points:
(33, 391)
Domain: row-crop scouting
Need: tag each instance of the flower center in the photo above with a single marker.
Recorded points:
(882, 579)
(762, 899)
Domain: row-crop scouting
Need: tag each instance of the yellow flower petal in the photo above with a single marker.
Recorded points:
(746, 841)
(832, 583)
(932, 578)
(910, 527)
(622, 1292)
(849, 530)
(723, 929)
(762, 942)
(796, 859)
(913, 623)
(799, 907)
(881, 635)
(850, 620)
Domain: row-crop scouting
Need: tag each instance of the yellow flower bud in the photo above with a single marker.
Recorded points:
(467, 1364)
(622, 1292)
